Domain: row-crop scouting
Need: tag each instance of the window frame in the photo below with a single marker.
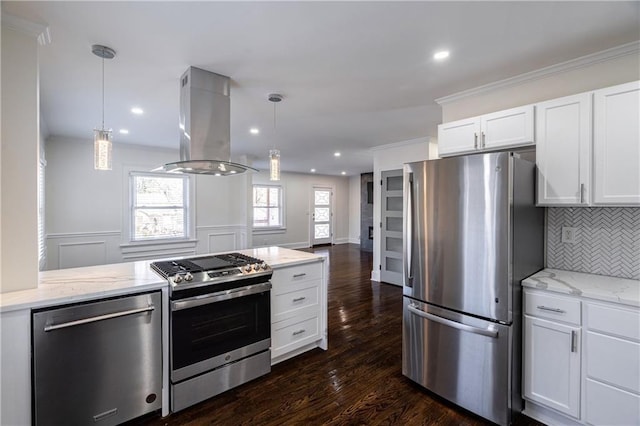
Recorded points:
(281, 205)
(186, 206)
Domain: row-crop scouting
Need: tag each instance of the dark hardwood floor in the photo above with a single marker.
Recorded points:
(357, 381)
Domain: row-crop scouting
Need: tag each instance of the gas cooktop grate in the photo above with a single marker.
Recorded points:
(170, 268)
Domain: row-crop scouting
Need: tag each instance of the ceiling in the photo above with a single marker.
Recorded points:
(354, 75)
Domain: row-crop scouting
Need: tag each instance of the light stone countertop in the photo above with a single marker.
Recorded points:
(73, 285)
(598, 287)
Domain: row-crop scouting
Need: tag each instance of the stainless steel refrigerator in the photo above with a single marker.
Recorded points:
(472, 233)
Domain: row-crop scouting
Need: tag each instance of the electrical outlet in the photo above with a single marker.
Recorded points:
(568, 235)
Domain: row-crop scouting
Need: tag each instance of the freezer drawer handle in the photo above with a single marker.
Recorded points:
(546, 308)
(483, 331)
(98, 318)
(299, 275)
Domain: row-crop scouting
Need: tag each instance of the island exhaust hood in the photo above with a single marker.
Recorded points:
(205, 126)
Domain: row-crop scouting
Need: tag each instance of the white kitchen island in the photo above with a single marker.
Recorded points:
(298, 314)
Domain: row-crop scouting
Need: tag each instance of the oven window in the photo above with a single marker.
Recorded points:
(206, 331)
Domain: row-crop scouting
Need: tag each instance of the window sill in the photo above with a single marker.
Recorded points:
(266, 231)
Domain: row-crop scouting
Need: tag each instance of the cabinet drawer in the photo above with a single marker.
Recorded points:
(613, 361)
(615, 321)
(553, 307)
(292, 334)
(289, 304)
(283, 278)
(607, 405)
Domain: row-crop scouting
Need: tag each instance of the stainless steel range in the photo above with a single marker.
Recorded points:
(220, 324)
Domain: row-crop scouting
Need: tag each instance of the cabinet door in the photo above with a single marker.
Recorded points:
(508, 128)
(552, 365)
(616, 145)
(458, 137)
(563, 138)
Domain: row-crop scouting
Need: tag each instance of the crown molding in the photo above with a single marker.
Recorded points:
(581, 62)
(39, 31)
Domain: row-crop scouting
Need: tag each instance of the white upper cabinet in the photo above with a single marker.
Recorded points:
(498, 130)
(458, 137)
(616, 145)
(588, 148)
(563, 136)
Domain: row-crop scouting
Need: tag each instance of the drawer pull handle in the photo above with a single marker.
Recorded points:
(545, 308)
(574, 341)
(295, 333)
(299, 299)
(299, 275)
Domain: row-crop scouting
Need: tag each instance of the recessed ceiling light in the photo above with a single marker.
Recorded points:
(313, 170)
(440, 55)
(137, 110)
(124, 132)
(343, 173)
(233, 172)
(336, 154)
(254, 130)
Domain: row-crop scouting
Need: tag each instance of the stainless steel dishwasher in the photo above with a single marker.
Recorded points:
(97, 363)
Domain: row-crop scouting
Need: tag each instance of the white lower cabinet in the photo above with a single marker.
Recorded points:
(15, 368)
(298, 310)
(584, 368)
(552, 359)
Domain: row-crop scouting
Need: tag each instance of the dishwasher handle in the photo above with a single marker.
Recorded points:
(53, 327)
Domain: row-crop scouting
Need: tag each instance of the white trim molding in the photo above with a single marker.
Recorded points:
(39, 31)
(220, 238)
(581, 62)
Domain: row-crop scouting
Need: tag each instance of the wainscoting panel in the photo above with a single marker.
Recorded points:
(74, 255)
(76, 249)
(607, 240)
(216, 239)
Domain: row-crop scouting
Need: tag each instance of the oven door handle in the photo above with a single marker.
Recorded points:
(206, 299)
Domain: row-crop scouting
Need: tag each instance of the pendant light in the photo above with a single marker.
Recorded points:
(274, 154)
(101, 137)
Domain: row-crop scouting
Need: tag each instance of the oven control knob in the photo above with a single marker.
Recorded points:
(264, 265)
(177, 279)
(247, 268)
(188, 277)
(256, 267)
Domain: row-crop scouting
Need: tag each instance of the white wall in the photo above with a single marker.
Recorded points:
(592, 75)
(86, 209)
(392, 157)
(354, 209)
(297, 193)
(20, 107)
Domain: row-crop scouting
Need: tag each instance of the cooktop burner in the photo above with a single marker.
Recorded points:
(211, 270)
(202, 264)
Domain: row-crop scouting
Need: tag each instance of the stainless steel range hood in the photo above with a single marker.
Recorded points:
(205, 126)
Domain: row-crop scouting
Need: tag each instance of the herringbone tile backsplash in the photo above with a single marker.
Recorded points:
(607, 240)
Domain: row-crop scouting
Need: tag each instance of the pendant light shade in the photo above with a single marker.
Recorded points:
(102, 149)
(102, 138)
(274, 164)
(274, 154)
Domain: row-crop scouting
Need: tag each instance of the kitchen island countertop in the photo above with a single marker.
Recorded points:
(599, 287)
(58, 287)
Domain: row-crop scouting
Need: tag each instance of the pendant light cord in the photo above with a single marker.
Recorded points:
(103, 92)
(274, 125)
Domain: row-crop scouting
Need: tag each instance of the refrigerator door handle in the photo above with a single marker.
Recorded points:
(408, 237)
(475, 330)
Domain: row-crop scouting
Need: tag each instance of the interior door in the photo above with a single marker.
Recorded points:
(391, 227)
(321, 214)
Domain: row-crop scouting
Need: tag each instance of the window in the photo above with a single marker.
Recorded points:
(267, 206)
(158, 206)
